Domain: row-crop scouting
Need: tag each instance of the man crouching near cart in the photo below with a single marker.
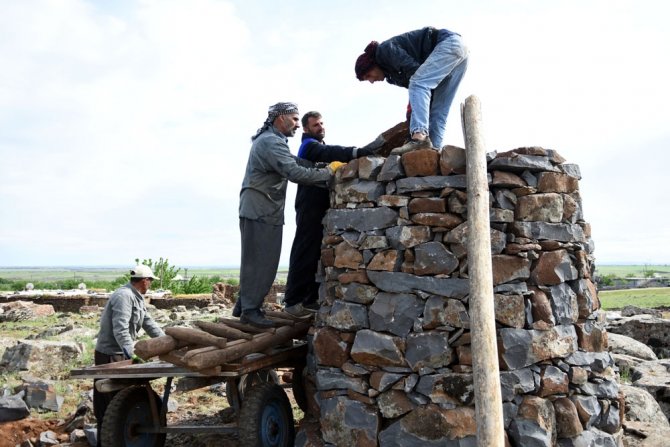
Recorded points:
(122, 318)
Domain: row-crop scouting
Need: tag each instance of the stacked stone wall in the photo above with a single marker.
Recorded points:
(392, 361)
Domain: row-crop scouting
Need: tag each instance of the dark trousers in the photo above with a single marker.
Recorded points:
(261, 248)
(101, 400)
(301, 285)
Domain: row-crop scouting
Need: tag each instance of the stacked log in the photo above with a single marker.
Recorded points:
(392, 342)
(214, 344)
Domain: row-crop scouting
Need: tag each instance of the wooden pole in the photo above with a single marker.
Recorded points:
(488, 400)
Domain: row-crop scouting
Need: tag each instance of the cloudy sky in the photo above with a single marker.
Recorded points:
(125, 125)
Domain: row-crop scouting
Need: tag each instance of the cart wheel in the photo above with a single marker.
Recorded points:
(246, 381)
(298, 387)
(266, 419)
(131, 408)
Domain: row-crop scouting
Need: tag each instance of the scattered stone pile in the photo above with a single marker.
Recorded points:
(392, 343)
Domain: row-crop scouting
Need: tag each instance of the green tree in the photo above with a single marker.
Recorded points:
(162, 269)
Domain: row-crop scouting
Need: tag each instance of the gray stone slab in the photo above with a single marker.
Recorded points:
(398, 282)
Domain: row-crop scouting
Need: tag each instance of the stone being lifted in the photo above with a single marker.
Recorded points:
(392, 343)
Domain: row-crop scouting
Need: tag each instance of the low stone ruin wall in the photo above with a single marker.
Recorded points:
(391, 348)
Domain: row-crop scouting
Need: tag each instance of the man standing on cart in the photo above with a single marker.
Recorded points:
(122, 318)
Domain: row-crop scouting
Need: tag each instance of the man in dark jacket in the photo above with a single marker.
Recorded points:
(430, 63)
(311, 204)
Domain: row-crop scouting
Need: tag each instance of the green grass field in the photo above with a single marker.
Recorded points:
(611, 299)
(638, 271)
(650, 297)
(53, 274)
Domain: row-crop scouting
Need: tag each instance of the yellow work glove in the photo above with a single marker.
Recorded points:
(335, 165)
(137, 359)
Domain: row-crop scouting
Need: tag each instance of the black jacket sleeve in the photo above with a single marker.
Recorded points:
(317, 152)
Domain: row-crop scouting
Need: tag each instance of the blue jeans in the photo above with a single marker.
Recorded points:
(438, 77)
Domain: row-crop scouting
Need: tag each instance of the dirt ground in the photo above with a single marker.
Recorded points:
(29, 429)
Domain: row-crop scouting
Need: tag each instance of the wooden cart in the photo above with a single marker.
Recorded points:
(136, 417)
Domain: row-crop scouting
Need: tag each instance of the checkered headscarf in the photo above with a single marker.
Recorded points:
(275, 110)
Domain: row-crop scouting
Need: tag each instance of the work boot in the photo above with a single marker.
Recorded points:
(413, 145)
(256, 318)
(237, 310)
(298, 311)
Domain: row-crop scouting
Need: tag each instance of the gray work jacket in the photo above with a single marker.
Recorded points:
(123, 317)
(269, 168)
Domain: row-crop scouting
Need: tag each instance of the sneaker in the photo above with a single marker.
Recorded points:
(256, 318)
(298, 311)
(312, 307)
(413, 145)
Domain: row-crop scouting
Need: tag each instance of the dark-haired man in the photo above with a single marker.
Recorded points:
(311, 204)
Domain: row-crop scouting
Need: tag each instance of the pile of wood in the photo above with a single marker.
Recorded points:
(214, 344)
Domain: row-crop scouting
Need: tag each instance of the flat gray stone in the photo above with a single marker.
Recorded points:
(398, 282)
(548, 231)
(362, 219)
(519, 163)
(411, 184)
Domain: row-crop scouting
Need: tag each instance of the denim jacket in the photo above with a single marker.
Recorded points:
(269, 168)
(124, 315)
(400, 56)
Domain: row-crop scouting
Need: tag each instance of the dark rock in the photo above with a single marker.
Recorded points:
(373, 348)
(402, 237)
(509, 310)
(411, 184)
(517, 382)
(546, 207)
(588, 409)
(535, 424)
(382, 380)
(348, 316)
(398, 282)
(391, 170)
(428, 349)
(329, 349)
(519, 348)
(432, 258)
(357, 293)
(447, 388)
(568, 424)
(394, 313)
(509, 268)
(13, 408)
(369, 167)
(364, 219)
(549, 231)
(563, 302)
(348, 422)
(553, 268)
(556, 182)
(420, 163)
(519, 163)
(394, 403)
(333, 378)
(452, 160)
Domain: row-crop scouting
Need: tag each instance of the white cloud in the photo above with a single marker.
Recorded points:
(127, 118)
